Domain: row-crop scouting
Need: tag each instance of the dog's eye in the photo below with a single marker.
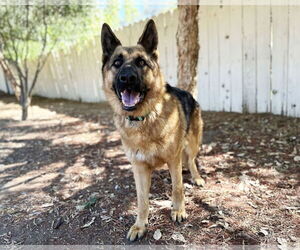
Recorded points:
(117, 63)
(141, 62)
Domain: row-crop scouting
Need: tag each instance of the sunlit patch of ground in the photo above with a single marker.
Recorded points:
(64, 179)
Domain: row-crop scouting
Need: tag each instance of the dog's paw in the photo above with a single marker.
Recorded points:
(199, 181)
(136, 232)
(178, 215)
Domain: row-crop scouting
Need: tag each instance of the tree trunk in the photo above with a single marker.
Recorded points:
(24, 113)
(25, 101)
(187, 45)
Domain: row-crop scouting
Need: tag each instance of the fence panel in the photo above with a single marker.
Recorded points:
(249, 59)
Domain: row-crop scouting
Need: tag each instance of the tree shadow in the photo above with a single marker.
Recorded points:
(100, 169)
(34, 156)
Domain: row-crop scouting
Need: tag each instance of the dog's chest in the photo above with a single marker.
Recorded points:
(143, 148)
(151, 142)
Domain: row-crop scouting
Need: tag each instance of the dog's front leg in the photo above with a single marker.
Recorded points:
(178, 211)
(142, 177)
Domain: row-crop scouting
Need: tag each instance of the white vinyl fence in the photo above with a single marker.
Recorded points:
(2, 82)
(249, 60)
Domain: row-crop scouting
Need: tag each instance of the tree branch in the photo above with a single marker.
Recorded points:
(41, 62)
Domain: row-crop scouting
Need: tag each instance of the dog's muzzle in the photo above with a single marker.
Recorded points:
(129, 88)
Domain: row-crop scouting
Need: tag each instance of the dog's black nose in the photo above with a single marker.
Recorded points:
(123, 78)
(128, 76)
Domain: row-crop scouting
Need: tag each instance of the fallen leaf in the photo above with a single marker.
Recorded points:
(92, 201)
(80, 207)
(213, 226)
(223, 224)
(57, 223)
(263, 232)
(89, 223)
(252, 205)
(105, 218)
(47, 205)
(205, 222)
(291, 208)
(163, 204)
(178, 237)
(281, 241)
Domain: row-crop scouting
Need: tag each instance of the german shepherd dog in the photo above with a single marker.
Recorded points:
(159, 124)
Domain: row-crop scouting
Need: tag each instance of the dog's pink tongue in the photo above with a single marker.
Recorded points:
(130, 98)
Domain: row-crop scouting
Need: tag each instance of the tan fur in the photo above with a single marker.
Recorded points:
(161, 138)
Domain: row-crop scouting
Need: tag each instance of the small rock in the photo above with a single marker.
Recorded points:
(208, 149)
(187, 185)
(297, 158)
(157, 234)
(294, 151)
(111, 212)
(251, 164)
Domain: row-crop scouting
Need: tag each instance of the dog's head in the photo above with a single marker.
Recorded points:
(131, 76)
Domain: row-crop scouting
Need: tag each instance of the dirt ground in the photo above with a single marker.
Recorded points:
(64, 179)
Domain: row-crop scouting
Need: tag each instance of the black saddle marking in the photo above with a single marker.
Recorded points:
(187, 101)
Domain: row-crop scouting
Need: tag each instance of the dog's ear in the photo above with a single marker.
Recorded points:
(109, 42)
(149, 38)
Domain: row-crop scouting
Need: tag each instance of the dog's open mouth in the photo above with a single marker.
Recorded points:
(131, 98)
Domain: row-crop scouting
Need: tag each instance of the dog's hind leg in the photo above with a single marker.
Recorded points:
(196, 178)
(185, 159)
(194, 140)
